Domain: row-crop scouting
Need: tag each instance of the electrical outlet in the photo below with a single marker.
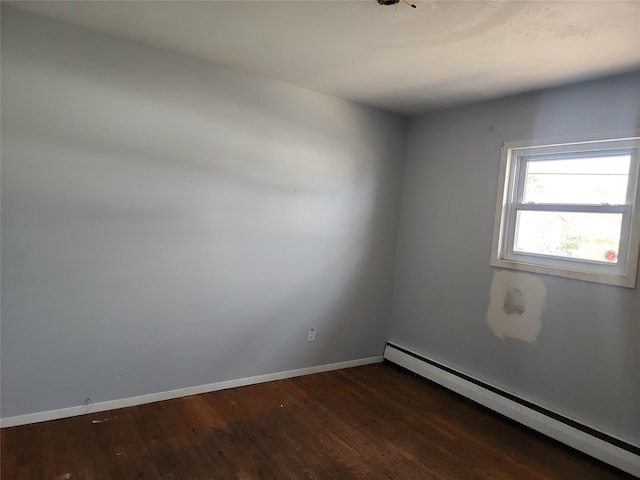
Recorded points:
(312, 335)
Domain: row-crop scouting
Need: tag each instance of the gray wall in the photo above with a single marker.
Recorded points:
(167, 223)
(585, 362)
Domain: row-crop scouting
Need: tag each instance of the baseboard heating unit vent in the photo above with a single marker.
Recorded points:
(607, 448)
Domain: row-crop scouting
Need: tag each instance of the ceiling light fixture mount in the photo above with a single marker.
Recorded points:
(395, 2)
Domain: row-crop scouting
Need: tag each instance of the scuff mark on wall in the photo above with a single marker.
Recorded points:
(515, 307)
(514, 301)
(87, 405)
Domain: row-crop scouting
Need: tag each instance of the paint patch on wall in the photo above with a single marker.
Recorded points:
(515, 307)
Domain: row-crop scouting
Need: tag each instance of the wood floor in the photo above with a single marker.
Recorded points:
(371, 422)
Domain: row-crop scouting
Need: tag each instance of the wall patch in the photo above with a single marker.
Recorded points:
(515, 307)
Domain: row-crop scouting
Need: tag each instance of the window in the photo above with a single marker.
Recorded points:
(570, 209)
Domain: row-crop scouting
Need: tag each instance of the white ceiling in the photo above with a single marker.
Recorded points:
(403, 59)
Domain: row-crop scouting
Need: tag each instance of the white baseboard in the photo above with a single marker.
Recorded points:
(578, 439)
(181, 392)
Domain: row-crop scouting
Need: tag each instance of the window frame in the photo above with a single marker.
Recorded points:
(514, 158)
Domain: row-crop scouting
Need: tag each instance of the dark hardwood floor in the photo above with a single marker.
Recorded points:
(371, 422)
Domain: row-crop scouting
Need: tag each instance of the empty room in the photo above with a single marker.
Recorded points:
(320, 240)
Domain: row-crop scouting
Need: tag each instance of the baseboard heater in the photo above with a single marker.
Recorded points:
(602, 446)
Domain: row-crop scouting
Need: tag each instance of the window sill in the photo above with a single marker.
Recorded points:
(628, 280)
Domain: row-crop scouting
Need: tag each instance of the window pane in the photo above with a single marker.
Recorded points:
(592, 180)
(584, 236)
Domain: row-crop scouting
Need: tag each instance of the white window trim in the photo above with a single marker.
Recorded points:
(624, 273)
